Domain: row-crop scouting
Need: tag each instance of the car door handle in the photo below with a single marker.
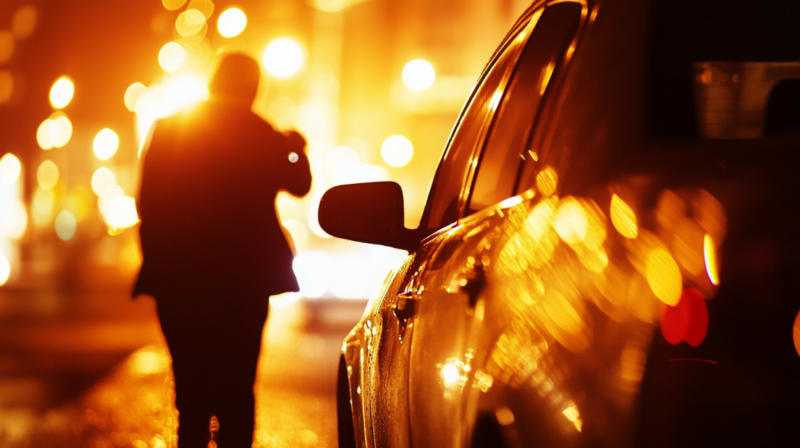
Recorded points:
(473, 283)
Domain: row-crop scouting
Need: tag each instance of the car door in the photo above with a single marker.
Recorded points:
(384, 397)
(450, 306)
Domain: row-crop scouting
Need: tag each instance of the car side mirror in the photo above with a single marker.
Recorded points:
(368, 212)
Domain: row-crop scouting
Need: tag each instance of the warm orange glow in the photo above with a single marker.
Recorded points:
(10, 169)
(572, 414)
(47, 175)
(24, 22)
(61, 93)
(204, 6)
(171, 56)
(43, 135)
(172, 5)
(283, 58)
(132, 94)
(418, 74)
(42, 205)
(710, 255)
(190, 22)
(623, 218)
(547, 181)
(231, 22)
(58, 130)
(570, 221)
(298, 232)
(547, 72)
(5, 270)
(101, 179)
(340, 155)
(66, 225)
(105, 144)
(6, 86)
(452, 372)
(311, 269)
(6, 46)
(397, 151)
(663, 276)
(796, 333)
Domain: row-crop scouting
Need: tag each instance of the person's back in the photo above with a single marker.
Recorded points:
(213, 248)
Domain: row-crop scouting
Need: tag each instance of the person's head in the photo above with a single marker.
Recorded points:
(236, 79)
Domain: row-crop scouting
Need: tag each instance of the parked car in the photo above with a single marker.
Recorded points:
(609, 251)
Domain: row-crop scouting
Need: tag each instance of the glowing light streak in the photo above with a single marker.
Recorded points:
(663, 276)
(623, 218)
(710, 256)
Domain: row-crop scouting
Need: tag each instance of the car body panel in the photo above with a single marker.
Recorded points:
(556, 315)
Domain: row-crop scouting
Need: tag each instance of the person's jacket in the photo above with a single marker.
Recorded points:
(207, 202)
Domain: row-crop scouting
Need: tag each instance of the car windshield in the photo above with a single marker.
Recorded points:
(723, 70)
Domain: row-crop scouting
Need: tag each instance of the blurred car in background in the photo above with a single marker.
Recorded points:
(609, 250)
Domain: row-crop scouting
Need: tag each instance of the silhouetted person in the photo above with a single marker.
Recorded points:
(213, 248)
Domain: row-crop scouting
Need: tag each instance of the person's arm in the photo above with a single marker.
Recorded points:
(298, 171)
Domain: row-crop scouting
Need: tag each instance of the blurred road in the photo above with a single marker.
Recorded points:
(89, 369)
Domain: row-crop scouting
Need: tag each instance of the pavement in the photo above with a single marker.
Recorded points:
(87, 367)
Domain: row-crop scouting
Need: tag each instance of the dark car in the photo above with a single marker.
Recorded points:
(609, 251)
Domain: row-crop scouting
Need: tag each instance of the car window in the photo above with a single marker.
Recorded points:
(445, 193)
(549, 42)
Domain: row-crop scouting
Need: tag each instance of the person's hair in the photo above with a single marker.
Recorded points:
(236, 79)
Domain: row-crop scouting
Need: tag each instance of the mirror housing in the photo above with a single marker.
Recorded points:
(368, 213)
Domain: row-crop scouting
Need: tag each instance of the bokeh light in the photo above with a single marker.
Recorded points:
(313, 271)
(42, 205)
(340, 155)
(418, 74)
(105, 144)
(687, 320)
(570, 221)
(190, 22)
(24, 22)
(121, 212)
(54, 132)
(43, 135)
(204, 6)
(101, 179)
(298, 232)
(623, 218)
(61, 93)
(172, 5)
(47, 175)
(6, 46)
(663, 276)
(5, 269)
(796, 333)
(132, 94)
(171, 56)
(231, 22)
(710, 255)
(283, 58)
(6, 86)
(547, 181)
(66, 225)
(10, 169)
(397, 151)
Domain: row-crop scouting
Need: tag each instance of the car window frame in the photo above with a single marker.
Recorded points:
(553, 86)
(520, 26)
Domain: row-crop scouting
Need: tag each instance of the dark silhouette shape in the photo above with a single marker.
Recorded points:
(213, 248)
(782, 114)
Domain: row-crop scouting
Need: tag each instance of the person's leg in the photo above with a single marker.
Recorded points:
(237, 361)
(187, 338)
